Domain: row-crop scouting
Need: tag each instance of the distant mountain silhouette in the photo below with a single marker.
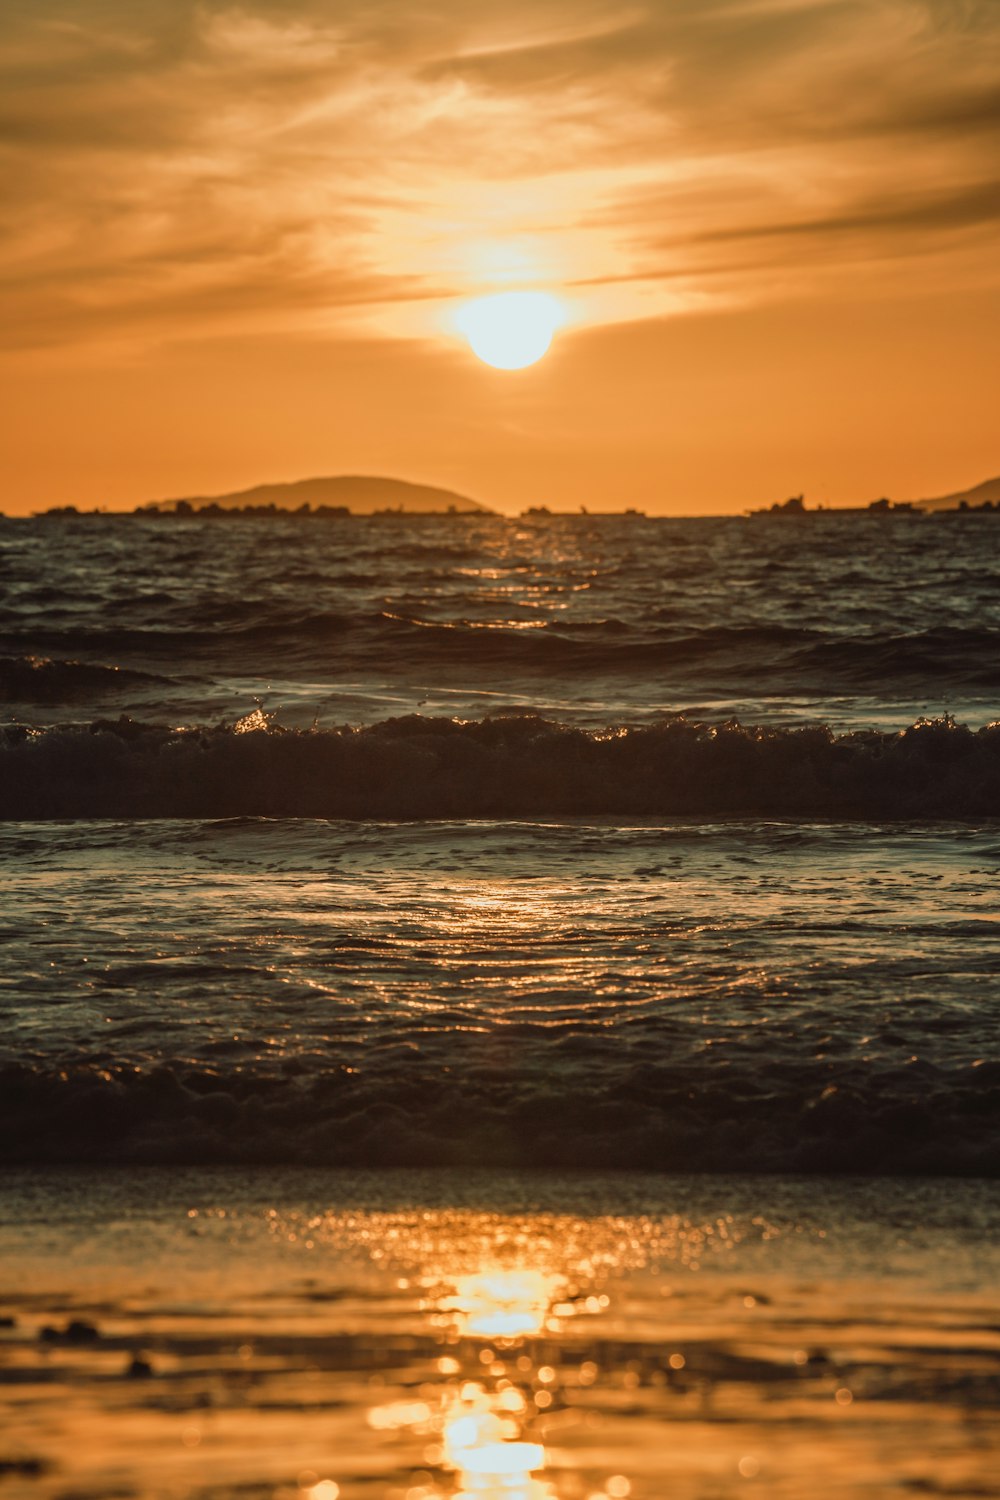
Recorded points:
(362, 494)
(988, 491)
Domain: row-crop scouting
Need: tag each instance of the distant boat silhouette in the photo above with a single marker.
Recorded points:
(796, 507)
(983, 497)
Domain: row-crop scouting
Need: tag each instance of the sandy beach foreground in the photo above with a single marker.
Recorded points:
(309, 1335)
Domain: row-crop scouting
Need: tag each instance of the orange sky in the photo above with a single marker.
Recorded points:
(235, 238)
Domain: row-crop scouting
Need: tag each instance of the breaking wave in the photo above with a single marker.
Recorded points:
(645, 1116)
(505, 766)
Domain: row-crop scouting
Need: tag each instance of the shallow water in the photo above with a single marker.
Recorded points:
(309, 1335)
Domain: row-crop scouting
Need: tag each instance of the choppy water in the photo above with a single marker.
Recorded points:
(859, 621)
(585, 918)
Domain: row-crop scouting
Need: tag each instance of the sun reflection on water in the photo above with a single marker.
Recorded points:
(484, 1445)
(482, 1437)
(510, 1355)
(503, 1304)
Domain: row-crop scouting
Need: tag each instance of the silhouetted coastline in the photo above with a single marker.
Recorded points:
(365, 496)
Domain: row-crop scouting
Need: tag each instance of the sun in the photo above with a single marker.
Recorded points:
(510, 330)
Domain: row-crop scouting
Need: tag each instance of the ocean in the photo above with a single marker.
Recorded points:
(537, 975)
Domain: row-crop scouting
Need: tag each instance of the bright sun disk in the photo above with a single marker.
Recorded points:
(510, 330)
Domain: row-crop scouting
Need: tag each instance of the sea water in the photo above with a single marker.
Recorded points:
(499, 1008)
(621, 841)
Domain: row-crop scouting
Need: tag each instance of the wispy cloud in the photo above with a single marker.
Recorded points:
(941, 213)
(170, 168)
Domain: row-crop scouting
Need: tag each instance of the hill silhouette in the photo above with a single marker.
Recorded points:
(980, 494)
(362, 494)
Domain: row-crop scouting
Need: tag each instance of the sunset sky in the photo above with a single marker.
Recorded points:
(236, 239)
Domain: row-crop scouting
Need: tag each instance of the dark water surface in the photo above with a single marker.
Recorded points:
(858, 621)
(397, 841)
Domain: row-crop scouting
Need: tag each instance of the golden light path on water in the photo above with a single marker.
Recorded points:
(525, 1310)
(483, 1432)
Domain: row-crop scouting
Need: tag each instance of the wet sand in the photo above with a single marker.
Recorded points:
(312, 1335)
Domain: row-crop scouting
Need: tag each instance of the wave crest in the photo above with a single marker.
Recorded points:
(40, 679)
(503, 766)
(649, 1117)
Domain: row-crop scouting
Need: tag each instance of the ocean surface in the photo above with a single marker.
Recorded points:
(499, 1010)
(585, 842)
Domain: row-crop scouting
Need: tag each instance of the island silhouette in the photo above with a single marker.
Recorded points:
(356, 494)
(981, 497)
